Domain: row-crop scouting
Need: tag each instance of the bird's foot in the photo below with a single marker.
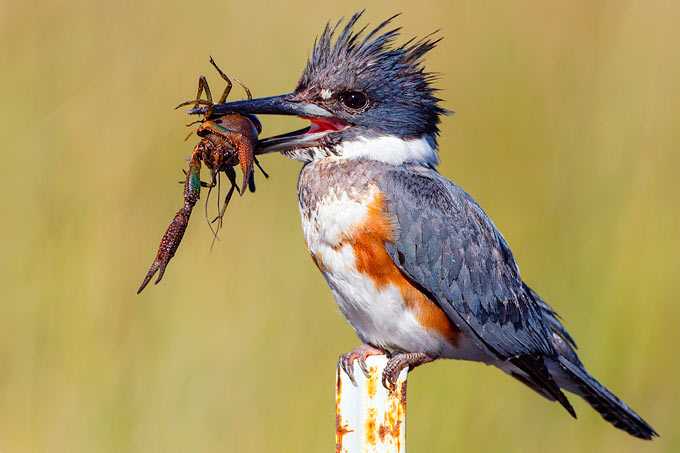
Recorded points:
(400, 361)
(360, 354)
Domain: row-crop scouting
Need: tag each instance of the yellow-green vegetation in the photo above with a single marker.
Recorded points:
(566, 131)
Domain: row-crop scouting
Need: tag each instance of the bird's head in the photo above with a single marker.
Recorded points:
(364, 97)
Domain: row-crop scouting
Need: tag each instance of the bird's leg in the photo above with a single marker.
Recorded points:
(360, 354)
(398, 362)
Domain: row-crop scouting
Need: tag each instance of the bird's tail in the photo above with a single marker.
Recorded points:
(605, 402)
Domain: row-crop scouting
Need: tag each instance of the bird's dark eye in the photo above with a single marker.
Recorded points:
(354, 100)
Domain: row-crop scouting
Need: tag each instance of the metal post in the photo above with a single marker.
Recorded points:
(368, 417)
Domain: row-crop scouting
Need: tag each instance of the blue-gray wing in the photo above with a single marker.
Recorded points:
(448, 247)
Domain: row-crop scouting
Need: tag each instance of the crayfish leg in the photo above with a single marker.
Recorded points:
(257, 162)
(226, 79)
(231, 175)
(245, 88)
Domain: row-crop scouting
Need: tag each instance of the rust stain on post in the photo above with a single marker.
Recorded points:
(370, 427)
(394, 415)
(340, 428)
(383, 431)
(340, 431)
(369, 417)
(371, 384)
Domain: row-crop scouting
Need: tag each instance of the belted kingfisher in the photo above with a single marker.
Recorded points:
(415, 264)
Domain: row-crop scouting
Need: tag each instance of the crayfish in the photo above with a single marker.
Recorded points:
(226, 141)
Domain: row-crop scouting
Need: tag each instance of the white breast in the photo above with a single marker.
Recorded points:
(379, 316)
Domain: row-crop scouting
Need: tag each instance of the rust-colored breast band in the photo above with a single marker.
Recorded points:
(372, 259)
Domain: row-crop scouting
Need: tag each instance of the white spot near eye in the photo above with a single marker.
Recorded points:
(326, 93)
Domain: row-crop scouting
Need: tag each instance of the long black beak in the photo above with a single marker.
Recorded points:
(285, 104)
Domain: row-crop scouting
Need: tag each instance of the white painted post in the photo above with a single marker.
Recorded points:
(368, 417)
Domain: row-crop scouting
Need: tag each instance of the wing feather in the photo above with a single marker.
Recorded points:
(447, 245)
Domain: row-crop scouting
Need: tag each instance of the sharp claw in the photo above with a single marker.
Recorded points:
(359, 354)
(161, 271)
(148, 278)
(348, 367)
(398, 362)
(364, 368)
(391, 374)
(385, 381)
(351, 371)
(392, 383)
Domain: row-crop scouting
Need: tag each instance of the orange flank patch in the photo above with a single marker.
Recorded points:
(373, 260)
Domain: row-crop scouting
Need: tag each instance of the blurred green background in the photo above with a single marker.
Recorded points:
(566, 131)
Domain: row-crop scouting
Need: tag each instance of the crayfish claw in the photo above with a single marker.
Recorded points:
(159, 266)
(161, 271)
(149, 276)
(171, 239)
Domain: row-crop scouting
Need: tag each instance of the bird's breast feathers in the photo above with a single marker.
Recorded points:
(346, 227)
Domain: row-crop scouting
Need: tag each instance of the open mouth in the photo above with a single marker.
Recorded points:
(309, 136)
(323, 121)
